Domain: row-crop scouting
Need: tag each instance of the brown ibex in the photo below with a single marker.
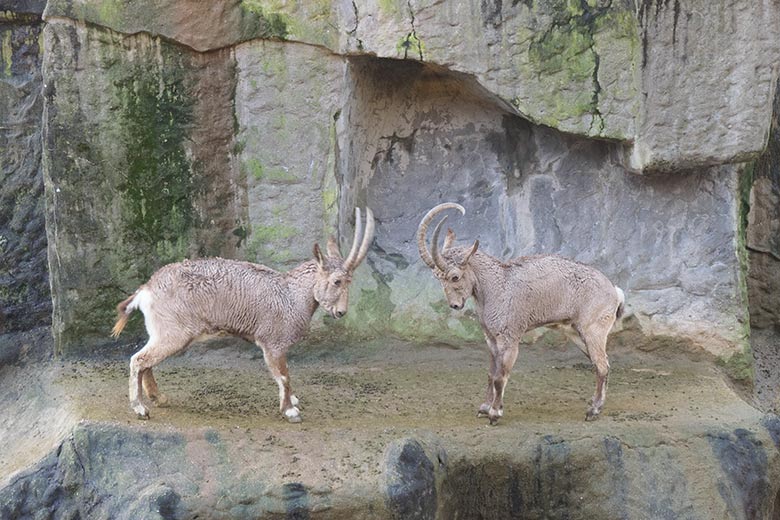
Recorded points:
(519, 295)
(185, 301)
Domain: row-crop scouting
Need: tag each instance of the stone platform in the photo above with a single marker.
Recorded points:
(389, 431)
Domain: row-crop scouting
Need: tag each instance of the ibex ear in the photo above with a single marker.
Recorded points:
(318, 256)
(448, 240)
(333, 247)
(468, 256)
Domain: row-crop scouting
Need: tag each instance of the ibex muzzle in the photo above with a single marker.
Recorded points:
(518, 295)
(188, 300)
(332, 288)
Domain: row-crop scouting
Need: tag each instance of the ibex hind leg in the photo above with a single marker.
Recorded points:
(596, 342)
(150, 388)
(153, 353)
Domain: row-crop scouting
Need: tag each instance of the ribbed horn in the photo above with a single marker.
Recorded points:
(368, 236)
(437, 259)
(360, 250)
(448, 240)
(423, 228)
(355, 245)
(468, 256)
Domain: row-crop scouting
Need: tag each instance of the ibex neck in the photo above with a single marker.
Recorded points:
(486, 270)
(301, 281)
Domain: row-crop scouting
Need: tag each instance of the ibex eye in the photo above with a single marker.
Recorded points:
(455, 278)
(337, 283)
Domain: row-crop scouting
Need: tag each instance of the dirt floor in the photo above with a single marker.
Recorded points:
(380, 385)
(357, 398)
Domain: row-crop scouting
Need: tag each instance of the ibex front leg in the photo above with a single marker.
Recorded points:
(484, 408)
(505, 360)
(276, 360)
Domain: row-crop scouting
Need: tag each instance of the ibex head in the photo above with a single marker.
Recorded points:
(334, 273)
(456, 276)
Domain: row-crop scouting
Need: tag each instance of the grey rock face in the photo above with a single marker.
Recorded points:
(761, 193)
(552, 477)
(236, 139)
(728, 51)
(25, 300)
(287, 103)
(667, 241)
(410, 479)
(650, 74)
(139, 137)
(763, 231)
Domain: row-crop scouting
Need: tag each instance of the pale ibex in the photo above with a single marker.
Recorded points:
(519, 295)
(185, 301)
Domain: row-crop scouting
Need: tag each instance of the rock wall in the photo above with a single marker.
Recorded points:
(287, 103)
(25, 300)
(763, 231)
(760, 225)
(252, 129)
(530, 189)
(139, 134)
(708, 71)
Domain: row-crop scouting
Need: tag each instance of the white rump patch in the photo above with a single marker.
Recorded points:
(143, 301)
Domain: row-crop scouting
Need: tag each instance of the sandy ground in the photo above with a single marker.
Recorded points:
(367, 393)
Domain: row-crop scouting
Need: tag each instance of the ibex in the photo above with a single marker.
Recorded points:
(193, 299)
(519, 295)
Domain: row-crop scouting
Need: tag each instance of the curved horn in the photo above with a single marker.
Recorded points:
(358, 253)
(448, 240)
(423, 228)
(468, 256)
(437, 259)
(368, 236)
(353, 251)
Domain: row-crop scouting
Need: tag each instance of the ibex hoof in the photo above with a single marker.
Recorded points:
(591, 415)
(483, 411)
(293, 415)
(160, 401)
(141, 412)
(494, 415)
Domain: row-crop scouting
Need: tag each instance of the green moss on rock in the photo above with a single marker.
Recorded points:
(564, 54)
(264, 243)
(739, 366)
(375, 307)
(271, 24)
(410, 46)
(158, 188)
(272, 175)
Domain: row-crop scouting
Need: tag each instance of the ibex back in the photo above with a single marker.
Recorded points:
(185, 301)
(519, 295)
